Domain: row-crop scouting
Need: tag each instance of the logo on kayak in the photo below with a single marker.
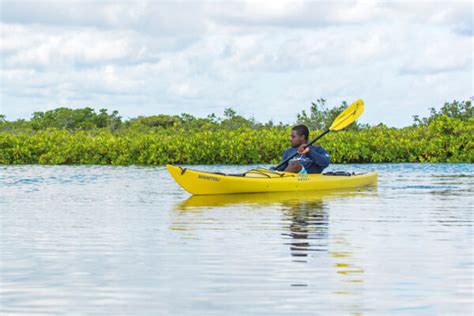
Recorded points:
(208, 178)
(303, 177)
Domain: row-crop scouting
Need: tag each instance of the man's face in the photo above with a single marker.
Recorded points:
(296, 139)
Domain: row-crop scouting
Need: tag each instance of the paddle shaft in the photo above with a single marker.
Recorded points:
(296, 153)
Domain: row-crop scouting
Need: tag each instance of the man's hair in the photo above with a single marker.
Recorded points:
(301, 130)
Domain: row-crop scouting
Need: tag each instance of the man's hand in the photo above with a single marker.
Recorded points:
(303, 149)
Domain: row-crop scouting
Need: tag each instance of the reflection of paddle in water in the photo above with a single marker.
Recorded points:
(308, 230)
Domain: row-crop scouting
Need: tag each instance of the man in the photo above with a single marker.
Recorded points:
(311, 159)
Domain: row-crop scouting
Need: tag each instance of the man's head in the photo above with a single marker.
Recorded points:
(299, 135)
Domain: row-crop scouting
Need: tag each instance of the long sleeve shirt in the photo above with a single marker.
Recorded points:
(314, 161)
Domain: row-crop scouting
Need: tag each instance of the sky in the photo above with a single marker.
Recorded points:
(265, 59)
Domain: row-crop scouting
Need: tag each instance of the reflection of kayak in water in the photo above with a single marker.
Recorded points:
(263, 180)
(303, 197)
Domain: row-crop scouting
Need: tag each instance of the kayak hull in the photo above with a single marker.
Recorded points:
(261, 180)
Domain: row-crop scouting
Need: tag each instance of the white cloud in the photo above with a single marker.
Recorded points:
(442, 53)
(266, 59)
(81, 48)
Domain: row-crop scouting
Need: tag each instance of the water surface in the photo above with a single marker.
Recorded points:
(128, 240)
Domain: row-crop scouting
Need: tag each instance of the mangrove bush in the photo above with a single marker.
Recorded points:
(82, 136)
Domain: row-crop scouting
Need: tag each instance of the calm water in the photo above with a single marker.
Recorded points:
(128, 240)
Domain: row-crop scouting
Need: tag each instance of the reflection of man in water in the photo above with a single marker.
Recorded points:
(309, 222)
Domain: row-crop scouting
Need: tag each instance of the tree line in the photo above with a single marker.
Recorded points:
(84, 136)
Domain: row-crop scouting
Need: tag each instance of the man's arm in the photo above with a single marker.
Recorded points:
(319, 156)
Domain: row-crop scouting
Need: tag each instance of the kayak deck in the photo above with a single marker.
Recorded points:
(264, 180)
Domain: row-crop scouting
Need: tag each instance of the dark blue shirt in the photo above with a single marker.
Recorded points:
(314, 161)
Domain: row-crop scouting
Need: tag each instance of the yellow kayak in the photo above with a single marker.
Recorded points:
(264, 180)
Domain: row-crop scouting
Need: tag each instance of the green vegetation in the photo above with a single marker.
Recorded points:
(82, 136)
(320, 117)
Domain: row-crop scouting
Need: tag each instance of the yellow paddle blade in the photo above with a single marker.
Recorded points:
(348, 116)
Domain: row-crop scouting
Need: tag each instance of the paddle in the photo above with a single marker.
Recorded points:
(346, 117)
